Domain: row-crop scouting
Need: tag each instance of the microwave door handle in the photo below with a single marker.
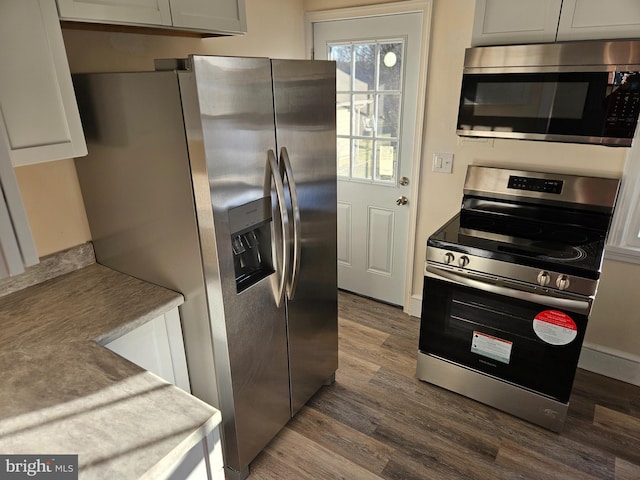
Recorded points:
(578, 306)
(273, 174)
(295, 210)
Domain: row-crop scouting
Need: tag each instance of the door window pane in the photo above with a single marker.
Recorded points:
(390, 66)
(365, 67)
(388, 122)
(343, 114)
(387, 159)
(343, 150)
(362, 159)
(341, 54)
(364, 115)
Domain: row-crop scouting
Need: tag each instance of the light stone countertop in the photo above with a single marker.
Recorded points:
(61, 392)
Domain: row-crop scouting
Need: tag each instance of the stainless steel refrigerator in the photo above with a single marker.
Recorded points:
(216, 177)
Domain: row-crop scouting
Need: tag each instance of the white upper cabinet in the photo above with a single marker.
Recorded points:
(205, 16)
(155, 12)
(37, 100)
(226, 15)
(596, 19)
(503, 22)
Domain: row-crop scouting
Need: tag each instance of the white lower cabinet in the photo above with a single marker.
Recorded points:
(37, 100)
(157, 346)
(203, 462)
(205, 16)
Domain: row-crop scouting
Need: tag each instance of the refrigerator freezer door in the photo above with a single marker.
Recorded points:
(235, 112)
(304, 98)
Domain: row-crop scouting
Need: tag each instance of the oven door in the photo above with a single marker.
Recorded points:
(514, 340)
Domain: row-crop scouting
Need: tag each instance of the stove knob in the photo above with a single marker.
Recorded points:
(544, 278)
(563, 282)
(448, 258)
(463, 261)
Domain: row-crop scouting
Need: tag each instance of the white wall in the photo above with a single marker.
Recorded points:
(53, 202)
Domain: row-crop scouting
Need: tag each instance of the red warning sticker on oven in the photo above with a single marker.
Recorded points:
(554, 327)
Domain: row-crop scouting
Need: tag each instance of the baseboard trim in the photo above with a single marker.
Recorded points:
(610, 363)
(414, 308)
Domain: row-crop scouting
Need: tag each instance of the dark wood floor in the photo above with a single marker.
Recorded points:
(378, 421)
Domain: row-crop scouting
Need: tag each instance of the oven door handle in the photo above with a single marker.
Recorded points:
(574, 305)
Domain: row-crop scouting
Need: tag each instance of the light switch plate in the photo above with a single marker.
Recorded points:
(443, 162)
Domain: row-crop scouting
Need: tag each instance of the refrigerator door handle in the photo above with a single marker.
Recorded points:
(295, 210)
(274, 175)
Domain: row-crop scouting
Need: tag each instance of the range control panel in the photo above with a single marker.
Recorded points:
(535, 184)
(584, 192)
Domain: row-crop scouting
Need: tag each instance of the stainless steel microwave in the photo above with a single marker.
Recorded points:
(577, 92)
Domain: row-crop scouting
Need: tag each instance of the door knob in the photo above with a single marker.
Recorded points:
(402, 200)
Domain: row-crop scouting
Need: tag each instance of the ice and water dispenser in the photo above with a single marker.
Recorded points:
(250, 226)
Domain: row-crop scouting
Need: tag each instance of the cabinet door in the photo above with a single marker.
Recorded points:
(502, 22)
(214, 15)
(36, 94)
(596, 19)
(157, 346)
(195, 465)
(152, 12)
(17, 248)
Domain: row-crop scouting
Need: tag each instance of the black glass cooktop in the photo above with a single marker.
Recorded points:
(559, 246)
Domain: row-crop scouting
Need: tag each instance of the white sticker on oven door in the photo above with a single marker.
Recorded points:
(554, 327)
(491, 347)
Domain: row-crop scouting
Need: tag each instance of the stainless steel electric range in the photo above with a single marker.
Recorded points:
(508, 289)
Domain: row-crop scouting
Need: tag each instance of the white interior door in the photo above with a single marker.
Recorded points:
(378, 65)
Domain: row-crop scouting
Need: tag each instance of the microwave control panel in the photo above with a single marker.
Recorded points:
(623, 107)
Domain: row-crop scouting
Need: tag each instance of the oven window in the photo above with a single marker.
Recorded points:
(500, 336)
(541, 103)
